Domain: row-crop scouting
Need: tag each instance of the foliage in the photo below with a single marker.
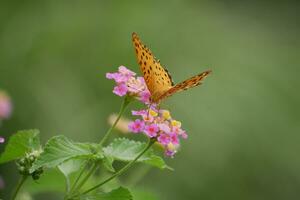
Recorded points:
(126, 150)
(19, 144)
(84, 159)
(60, 149)
(116, 194)
(70, 158)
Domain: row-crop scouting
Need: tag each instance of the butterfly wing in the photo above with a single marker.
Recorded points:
(157, 78)
(184, 85)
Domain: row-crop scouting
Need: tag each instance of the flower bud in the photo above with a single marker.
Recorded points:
(21, 162)
(37, 173)
(31, 158)
(24, 164)
(22, 170)
(35, 176)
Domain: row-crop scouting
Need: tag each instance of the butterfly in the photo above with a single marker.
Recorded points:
(158, 80)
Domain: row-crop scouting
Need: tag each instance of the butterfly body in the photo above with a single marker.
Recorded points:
(158, 80)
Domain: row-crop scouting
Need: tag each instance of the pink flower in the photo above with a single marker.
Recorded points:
(177, 130)
(163, 139)
(151, 130)
(145, 96)
(160, 125)
(154, 122)
(139, 112)
(112, 75)
(120, 90)
(119, 78)
(174, 139)
(5, 106)
(126, 72)
(170, 153)
(164, 127)
(2, 140)
(148, 118)
(136, 126)
(183, 134)
(135, 85)
(128, 84)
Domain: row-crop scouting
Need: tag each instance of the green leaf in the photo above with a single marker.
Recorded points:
(69, 168)
(157, 161)
(144, 194)
(116, 194)
(108, 163)
(19, 144)
(50, 181)
(126, 150)
(60, 149)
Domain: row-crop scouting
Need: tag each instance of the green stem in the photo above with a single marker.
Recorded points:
(21, 182)
(125, 168)
(78, 177)
(93, 169)
(125, 103)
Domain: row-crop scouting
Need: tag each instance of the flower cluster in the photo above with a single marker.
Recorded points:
(24, 164)
(154, 123)
(160, 125)
(128, 84)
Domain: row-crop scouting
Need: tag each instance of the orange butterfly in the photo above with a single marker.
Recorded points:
(157, 78)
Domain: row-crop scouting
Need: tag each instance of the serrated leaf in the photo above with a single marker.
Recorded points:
(116, 194)
(123, 149)
(19, 144)
(60, 149)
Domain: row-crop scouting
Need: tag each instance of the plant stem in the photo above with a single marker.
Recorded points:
(125, 168)
(78, 177)
(125, 103)
(93, 169)
(18, 187)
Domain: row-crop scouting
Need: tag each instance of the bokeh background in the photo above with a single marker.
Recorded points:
(243, 123)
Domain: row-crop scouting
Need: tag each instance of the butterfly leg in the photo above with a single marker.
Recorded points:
(149, 107)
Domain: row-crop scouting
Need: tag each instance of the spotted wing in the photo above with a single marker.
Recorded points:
(157, 78)
(189, 83)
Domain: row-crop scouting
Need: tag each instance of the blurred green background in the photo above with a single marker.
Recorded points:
(243, 123)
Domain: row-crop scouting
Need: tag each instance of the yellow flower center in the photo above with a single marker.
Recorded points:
(176, 123)
(166, 114)
(152, 113)
(171, 147)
